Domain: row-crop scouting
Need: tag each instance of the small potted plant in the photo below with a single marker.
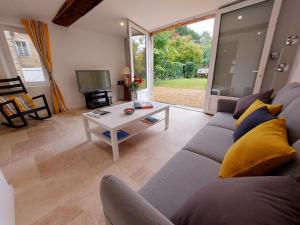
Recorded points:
(133, 86)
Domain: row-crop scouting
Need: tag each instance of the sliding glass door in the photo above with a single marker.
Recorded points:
(241, 45)
(140, 59)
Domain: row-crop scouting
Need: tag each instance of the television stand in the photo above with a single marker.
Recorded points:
(97, 99)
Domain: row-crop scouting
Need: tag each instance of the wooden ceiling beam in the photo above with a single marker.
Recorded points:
(72, 10)
(181, 24)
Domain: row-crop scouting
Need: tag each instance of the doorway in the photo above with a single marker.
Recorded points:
(181, 64)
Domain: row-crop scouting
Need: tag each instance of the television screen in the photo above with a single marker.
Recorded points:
(93, 80)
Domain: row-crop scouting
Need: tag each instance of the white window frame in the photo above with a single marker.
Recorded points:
(10, 65)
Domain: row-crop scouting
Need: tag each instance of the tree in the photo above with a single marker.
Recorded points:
(185, 31)
(180, 48)
(205, 42)
(183, 49)
(205, 38)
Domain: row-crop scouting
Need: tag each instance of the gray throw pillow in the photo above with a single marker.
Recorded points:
(243, 103)
(273, 200)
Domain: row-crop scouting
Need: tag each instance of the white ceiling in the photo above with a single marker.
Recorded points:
(106, 17)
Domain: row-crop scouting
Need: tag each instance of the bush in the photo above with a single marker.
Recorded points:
(168, 71)
(177, 69)
(190, 70)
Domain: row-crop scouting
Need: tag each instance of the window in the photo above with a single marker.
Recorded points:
(22, 48)
(29, 68)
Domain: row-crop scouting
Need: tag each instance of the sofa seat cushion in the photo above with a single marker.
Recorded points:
(178, 179)
(224, 120)
(250, 200)
(212, 142)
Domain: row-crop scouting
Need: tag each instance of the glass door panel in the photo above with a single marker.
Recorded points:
(139, 56)
(241, 45)
(241, 41)
(140, 59)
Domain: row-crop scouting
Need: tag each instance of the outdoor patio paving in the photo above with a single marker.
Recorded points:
(176, 96)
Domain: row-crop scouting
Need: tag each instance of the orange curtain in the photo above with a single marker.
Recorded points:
(39, 35)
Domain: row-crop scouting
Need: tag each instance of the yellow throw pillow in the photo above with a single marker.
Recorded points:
(260, 151)
(274, 109)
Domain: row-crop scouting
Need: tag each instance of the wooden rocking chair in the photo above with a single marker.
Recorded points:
(11, 87)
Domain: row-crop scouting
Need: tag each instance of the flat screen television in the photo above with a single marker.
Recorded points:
(93, 80)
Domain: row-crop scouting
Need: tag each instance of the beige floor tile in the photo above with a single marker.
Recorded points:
(56, 173)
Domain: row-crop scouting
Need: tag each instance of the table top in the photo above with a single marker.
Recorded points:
(118, 119)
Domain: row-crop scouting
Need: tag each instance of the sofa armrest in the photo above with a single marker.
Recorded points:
(226, 105)
(123, 206)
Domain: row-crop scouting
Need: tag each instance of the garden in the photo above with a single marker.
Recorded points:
(178, 56)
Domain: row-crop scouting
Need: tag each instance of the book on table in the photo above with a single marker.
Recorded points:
(98, 113)
(120, 134)
(143, 105)
(150, 119)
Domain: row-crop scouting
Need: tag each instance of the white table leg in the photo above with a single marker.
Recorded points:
(167, 118)
(87, 127)
(114, 144)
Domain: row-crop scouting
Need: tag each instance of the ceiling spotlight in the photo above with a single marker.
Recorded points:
(240, 17)
(122, 24)
(259, 33)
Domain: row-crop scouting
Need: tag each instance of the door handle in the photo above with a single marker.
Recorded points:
(255, 71)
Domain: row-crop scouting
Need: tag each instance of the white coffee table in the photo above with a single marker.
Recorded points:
(117, 120)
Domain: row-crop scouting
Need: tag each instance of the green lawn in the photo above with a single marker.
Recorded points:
(184, 83)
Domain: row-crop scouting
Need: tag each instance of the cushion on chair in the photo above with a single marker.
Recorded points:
(243, 103)
(259, 152)
(24, 103)
(9, 109)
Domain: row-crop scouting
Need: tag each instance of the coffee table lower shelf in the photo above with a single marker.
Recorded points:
(132, 129)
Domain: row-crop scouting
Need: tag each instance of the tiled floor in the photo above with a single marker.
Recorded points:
(56, 173)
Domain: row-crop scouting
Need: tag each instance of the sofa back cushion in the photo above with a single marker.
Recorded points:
(292, 115)
(292, 168)
(287, 94)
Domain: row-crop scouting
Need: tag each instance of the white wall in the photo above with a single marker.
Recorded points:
(295, 70)
(288, 24)
(75, 49)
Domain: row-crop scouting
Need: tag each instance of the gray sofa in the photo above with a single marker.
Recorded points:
(196, 165)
